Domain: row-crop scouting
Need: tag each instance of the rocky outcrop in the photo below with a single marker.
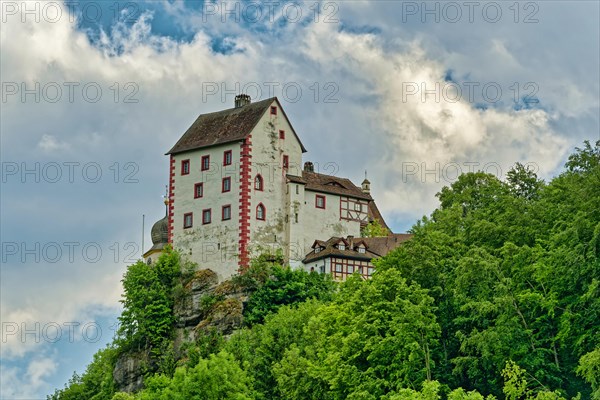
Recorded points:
(128, 372)
(202, 307)
(189, 308)
(206, 306)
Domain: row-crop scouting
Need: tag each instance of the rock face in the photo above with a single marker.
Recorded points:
(189, 308)
(128, 372)
(204, 306)
(207, 306)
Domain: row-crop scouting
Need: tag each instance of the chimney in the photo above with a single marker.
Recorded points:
(351, 242)
(242, 100)
(309, 167)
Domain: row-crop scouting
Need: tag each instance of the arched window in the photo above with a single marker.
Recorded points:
(261, 212)
(258, 182)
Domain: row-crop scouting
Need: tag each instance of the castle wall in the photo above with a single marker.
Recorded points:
(268, 150)
(213, 245)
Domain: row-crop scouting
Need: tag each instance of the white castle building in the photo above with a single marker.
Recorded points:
(237, 188)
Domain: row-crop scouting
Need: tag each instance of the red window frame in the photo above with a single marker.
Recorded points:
(227, 157)
(204, 221)
(317, 197)
(185, 217)
(261, 181)
(185, 167)
(227, 179)
(281, 134)
(264, 211)
(196, 186)
(286, 161)
(273, 110)
(205, 164)
(223, 212)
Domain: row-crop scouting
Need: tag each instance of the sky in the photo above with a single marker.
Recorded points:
(94, 93)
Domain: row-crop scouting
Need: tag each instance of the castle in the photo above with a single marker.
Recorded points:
(237, 188)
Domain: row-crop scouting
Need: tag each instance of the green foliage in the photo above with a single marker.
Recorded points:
(589, 368)
(374, 229)
(147, 318)
(375, 337)
(97, 381)
(496, 296)
(217, 378)
(286, 286)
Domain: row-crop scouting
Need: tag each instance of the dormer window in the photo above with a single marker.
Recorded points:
(317, 249)
(361, 249)
(342, 246)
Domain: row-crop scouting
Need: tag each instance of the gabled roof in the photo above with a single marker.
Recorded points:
(375, 247)
(231, 125)
(374, 214)
(322, 183)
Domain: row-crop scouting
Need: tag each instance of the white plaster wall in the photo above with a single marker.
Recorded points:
(317, 265)
(267, 159)
(316, 223)
(214, 245)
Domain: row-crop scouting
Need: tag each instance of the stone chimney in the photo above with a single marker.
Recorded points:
(351, 242)
(242, 100)
(309, 167)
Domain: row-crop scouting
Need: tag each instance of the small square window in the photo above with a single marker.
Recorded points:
(286, 161)
(320, 201)
(226, 212)
(206, 216)
(361, 249)
(205, 163)
(281, 134)
(227, 157)
(342, 247)
(198, 190)
(188, 220)
(226, 185)
(185, 167)
(273, 110)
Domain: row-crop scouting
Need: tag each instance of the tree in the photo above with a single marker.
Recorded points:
(218, 377)
(286, 286)
(147, 318)
(374, 229)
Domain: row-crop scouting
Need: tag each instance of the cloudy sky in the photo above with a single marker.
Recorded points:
(94, 94)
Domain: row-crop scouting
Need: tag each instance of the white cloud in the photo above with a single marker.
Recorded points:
(25, 383)
(50, 144)
(371, 127)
